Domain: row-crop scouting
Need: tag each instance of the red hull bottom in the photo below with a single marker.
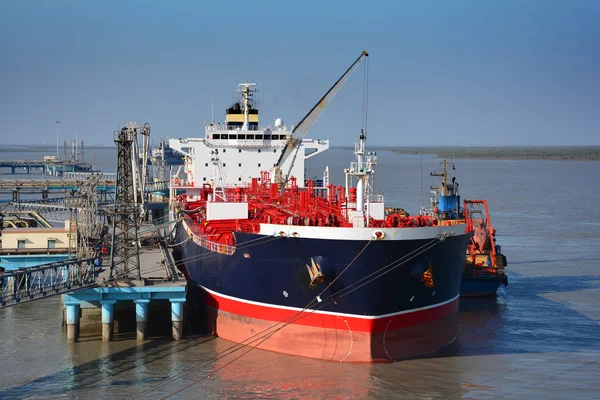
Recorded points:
(341, 343)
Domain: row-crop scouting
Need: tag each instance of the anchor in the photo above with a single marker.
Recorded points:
(315, 273)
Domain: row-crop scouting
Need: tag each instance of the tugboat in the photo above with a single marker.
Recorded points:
(288, 265)
(485, 264)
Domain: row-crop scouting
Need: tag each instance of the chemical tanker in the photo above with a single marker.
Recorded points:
(307, 268)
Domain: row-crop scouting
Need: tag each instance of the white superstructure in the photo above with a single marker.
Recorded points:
(243, 148)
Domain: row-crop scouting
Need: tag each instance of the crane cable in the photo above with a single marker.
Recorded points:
(366, 96)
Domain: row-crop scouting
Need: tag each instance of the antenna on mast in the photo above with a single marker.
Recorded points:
(76, 133)
(422, 195)
(212, 109)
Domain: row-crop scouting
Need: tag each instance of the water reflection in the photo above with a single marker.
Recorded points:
(265, 374)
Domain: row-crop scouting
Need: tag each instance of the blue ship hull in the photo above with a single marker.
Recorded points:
(266, 280)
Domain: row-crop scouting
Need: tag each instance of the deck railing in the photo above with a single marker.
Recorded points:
(202, 241)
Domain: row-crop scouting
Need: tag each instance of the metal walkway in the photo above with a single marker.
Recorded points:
(27, 284)
(168, 261)
(68, 185)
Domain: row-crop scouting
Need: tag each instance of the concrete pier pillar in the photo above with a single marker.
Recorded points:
(177, 318)
(141, 317)
(72, 321)
(108, 319)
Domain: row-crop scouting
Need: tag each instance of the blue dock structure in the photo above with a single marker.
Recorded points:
(159, 282)
(85, 289)
(107, 296)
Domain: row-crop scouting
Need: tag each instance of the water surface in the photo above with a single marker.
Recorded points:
(539, 338)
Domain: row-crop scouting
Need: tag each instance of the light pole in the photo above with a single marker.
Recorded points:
(76, 130)
(57, 122)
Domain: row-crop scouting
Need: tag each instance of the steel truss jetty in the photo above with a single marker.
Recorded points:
(49, 167)
(27, 284)
(45, 186)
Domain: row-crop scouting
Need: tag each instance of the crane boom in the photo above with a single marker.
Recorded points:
(300, 131)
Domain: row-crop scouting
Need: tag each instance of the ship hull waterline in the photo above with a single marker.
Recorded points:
(392, 317)
(481, 286)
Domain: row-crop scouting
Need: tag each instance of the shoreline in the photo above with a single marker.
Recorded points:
(42, 148)
(553, 153)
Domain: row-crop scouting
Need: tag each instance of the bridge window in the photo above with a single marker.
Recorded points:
(250, 137)
(21, 244)
(241, 136)
(51, 243)
(216, 136)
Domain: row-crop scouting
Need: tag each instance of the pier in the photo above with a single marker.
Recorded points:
(45, 187)
(47, 167)
(114, 305)
(35, 185)
(140, 297)
(90, 297)
(140, 285)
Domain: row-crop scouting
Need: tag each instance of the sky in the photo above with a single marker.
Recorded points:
(480, 73)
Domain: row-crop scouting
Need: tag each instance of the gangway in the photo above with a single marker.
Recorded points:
(27, 284)
(155, 227)
(84, 175)
(168, 261)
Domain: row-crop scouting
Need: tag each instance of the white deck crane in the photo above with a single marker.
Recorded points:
(299, 132)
